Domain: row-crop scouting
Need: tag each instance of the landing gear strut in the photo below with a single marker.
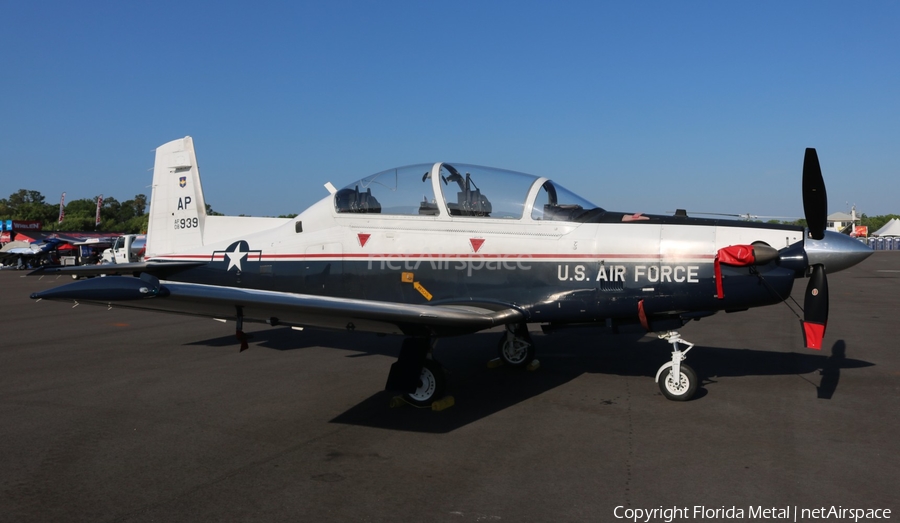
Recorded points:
(677, 381)
(239, 330)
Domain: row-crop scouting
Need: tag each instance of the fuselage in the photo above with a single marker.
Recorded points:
(513, 239)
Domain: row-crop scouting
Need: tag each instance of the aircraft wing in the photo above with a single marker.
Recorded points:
(24, 253)
(282, 308)
(154, 268)
(22, 250)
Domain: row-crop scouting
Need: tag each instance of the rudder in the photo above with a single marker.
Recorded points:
(177, 206)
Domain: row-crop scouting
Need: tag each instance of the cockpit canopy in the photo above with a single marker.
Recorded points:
(464, 190)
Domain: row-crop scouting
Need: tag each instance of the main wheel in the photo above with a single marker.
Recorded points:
(432, 382)
(518, 351)
(682, 390)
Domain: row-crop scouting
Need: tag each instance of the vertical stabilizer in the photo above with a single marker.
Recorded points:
(177, 207)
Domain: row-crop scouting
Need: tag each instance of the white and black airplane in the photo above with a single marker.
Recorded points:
(433, 250)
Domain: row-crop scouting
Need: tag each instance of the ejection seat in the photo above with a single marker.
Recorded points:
(352, 201)
(470, 202)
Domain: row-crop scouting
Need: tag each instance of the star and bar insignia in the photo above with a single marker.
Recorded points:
(238, 252)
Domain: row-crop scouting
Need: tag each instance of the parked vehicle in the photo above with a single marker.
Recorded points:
(128, 248)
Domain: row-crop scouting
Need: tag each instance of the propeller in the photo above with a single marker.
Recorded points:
(815, 200)
(815, 207)
(815, 308)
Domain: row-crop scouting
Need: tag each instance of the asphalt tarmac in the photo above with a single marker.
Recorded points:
(115, 415)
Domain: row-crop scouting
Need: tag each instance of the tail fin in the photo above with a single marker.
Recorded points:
(177, 206)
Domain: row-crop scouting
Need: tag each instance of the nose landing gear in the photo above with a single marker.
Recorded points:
(677, 381)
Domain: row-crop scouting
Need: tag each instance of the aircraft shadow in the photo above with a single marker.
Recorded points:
(480, 392)
(644, 359)
(284, 338)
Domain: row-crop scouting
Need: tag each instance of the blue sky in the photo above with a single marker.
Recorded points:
(638, 106)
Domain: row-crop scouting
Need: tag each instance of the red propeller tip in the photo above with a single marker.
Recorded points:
(813, 334)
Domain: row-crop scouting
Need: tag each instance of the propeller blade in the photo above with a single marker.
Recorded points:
(815, 200)
(815, 308)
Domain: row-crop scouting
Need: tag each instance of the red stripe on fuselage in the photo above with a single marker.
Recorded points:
(362, 256)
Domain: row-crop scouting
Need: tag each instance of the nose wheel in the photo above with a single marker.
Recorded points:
(677, 381)
(681, 388)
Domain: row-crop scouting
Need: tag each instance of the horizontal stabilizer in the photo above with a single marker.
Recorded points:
(136, 268)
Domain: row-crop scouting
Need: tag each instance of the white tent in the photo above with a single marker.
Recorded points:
(891, 228)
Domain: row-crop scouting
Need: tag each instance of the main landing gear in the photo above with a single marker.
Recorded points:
(416, 374)
(516, 348)
(430, 386)
(677, 381)
(423, 381)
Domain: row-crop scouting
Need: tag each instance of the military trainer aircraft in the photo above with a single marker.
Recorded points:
(433, 250)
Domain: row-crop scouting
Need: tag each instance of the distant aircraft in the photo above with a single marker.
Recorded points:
(25, 255)
(433, 250)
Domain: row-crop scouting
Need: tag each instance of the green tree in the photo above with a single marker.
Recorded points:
(26, 205)
(140, 204)
(80, 215)
(23, 196)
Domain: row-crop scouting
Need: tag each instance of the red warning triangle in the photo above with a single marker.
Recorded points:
(476, 243)
(363, 238)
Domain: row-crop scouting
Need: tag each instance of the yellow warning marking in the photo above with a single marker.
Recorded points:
(407, 277)
(422, 291)
(495, 363)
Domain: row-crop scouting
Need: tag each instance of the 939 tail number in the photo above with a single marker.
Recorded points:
(186, 223)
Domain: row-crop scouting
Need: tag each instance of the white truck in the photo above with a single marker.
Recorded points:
(128, 248)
